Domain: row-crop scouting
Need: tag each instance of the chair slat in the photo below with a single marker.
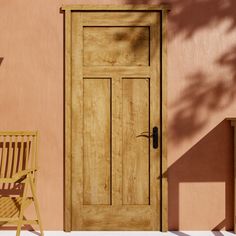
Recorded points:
(36, 156)
(21, 154)
(36, 151)
(3, 162)
(18, 152)
(32, 164)
(14, 169)
(27, 152)
(1, 156)
(10, 158)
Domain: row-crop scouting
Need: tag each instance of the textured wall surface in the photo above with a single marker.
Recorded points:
(201, 93)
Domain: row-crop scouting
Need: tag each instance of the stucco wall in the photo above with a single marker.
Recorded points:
(201, 93)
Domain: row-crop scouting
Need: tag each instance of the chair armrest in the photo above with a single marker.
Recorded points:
(17, 176)
(22, 173)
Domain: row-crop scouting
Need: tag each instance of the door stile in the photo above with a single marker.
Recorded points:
(155, 120)
(163, 162)
(67, 192)
(77, 105)
(116, 141)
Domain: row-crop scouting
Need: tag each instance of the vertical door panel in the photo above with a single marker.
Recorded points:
(135, 145)
(96, 133)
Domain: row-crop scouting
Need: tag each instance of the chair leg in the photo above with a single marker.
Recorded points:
(21, 215)
(20, 220)
(36, 205)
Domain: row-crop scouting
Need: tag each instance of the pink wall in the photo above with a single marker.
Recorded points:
(201, 93)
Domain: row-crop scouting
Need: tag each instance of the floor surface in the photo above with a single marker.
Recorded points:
(93, 233)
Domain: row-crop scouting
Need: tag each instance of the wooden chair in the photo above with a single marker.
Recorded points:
(18, 164)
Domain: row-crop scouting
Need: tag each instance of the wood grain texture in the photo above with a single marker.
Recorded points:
(67, 194)
(125, 71)
(117, 218)
(155, 118)
(132, 46)
(77, 120)
(164, 189)
(96, 141)
(135, 148)
(106, 18)
(116, 142)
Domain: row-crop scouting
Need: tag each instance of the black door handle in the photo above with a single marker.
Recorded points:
(155, 137)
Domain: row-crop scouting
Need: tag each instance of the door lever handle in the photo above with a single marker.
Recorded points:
(155, 137)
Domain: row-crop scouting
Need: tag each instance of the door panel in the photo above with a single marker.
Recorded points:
(96, 143)
(135, 145)
(132, 46)
(115, 104)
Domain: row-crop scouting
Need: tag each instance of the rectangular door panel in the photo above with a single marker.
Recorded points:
(132, 46)
(117, 218)
(96, 136)
(135, 145)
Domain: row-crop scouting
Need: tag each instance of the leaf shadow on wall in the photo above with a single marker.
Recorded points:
(1, 60)
(200, 94)
(207, 160)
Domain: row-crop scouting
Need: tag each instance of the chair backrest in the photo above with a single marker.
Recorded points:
(18, 151)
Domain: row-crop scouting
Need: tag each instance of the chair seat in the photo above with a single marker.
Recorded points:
(10, 206)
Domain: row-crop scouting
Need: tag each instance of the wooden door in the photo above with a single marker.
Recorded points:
(115, 103)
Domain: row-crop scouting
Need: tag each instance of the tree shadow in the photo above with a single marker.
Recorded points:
(191, 16)
(1, 60)
(201, 97)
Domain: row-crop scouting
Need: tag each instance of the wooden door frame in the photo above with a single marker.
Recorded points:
(68, 113)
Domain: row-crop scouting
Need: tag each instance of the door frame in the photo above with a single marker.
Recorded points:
(68, 104)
